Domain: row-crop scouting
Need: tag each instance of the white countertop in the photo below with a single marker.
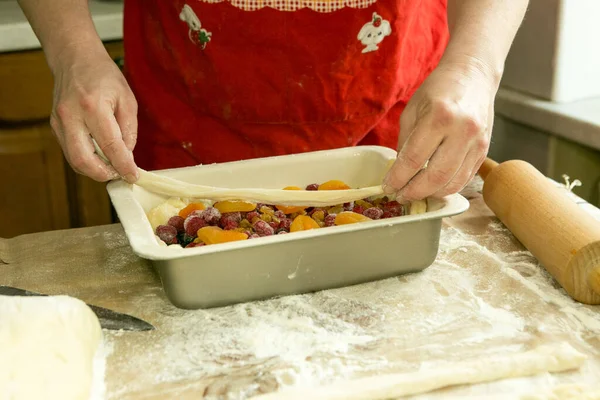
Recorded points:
(578, 121)
(16, 33)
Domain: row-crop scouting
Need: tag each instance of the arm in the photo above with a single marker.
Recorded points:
(91, 96)
(448, 121)
(481, 33)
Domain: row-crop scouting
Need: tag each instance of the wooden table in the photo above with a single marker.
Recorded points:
(484, 296)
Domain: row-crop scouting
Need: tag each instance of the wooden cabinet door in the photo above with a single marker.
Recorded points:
(39, 189)
(33, 195)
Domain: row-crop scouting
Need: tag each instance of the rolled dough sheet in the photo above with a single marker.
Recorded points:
(545, 358)
(48, 349)
(172, 187)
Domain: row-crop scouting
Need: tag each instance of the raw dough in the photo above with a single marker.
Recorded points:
(48, 346)
(418, 207)
(544, 358)
(172, 187)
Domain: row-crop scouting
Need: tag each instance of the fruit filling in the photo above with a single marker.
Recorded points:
(199, 224)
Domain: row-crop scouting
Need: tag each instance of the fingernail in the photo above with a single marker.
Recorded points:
(387, 189)
(131, 178)
(400, 198)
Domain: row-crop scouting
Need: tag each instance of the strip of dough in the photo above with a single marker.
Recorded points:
(545, 358)
(172, 187)
(47, 348)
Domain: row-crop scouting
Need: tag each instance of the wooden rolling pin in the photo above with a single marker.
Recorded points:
(563, 237)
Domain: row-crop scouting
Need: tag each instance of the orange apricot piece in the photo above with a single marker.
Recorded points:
(349, 217)
(230, 206)
(334, 185)
(190, 208)
(303, 223)
(291, 209)
(215, 235)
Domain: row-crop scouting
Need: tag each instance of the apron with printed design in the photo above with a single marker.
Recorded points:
(219, 81)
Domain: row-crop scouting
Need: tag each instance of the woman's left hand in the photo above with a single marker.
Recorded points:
(446, 124)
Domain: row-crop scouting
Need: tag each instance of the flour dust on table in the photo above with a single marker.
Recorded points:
(465, 307)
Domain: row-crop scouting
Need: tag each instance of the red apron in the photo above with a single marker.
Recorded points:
(226, 80)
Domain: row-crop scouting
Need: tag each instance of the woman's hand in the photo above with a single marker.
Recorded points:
(93, 100)
(446, 124)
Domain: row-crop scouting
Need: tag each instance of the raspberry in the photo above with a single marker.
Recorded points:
(386, 214)
(167, 233)
(358, 209)
(230, 225)
(211, 215)
(285, 223)
(263, 229)
(280, 214)
(234, 216)
(251, 215)
(348, 206)
(193, 244)
(281, 232)
(177, 223)
(274, 225)
(330, 220)
(394, 208)
(373, 213)
(254, 236)
(192, 224)
(313, 186)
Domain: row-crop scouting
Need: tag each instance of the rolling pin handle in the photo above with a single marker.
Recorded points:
(487, 166)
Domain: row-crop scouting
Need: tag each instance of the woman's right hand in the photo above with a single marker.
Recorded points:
(93, 100)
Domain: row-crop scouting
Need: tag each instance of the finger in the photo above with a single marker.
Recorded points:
(126, 116)
(79, 151)
(442, 168)
(462, 177)
(105, 129)
(417, 150)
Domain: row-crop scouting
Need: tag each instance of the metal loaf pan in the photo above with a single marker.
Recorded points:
(300, 262)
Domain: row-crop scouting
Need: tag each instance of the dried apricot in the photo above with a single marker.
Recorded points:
(215, 235)
(334, 185)
(230, 206)
(190, 208)
(303, 223)
(291, 209)
(349, 217)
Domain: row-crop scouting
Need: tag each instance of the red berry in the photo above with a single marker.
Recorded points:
(230, 220)
(386, 214)
(330, 220)
(279, 214)
(230, 225)
(167, 233)
(192, 224)
(211, 215)
(251, 215)
(377, 22)
(373, 213)
(177, 222)
(192, 244)
(358, 209)
(313, 186)
(348, 206)
(281, 232)
(285, 223)
(263, 229)
(274, 225)
(394, 208)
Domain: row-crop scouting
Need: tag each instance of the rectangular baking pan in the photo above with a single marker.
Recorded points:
(300, 262)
